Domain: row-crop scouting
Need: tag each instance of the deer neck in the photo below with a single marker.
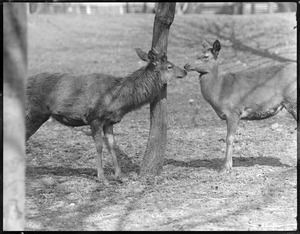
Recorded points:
(137, 89)
(211, 85)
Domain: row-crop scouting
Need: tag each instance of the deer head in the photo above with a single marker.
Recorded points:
(207, 59)
(160, 64)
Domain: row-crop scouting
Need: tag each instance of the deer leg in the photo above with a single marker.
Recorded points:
(96, 127)
(232, 125)
(292, 110)
(34, 120)
(290, 104)
(109, 135)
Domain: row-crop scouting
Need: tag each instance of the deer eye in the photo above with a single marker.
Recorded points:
(170, 66)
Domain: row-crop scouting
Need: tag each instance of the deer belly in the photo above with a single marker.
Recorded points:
(69, 121)
(115, 117)
(260, 113)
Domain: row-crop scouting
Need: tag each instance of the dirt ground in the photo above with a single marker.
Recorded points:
(259, 194)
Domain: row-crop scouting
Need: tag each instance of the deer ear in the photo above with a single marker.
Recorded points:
(152, 56)
(142, 54)
(205, 44)
(216, 47)
(164, 57)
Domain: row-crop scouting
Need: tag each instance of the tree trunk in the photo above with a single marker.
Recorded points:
(252, 8)
(15, 68)
(283, 7)
(242, 8)
(238, 8)
(144, 7)
(270, 8)
(153, 159)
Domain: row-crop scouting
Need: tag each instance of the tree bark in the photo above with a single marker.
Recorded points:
(270, 7)
(238, 8)
(15, 68)
(252, 8)
(153, 159)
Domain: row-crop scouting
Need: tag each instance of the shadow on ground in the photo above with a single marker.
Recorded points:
(237, 162)
(126, 164)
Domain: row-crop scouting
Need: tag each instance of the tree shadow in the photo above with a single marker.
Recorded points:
(216, 163)
(126, 163)
(246, 206)
(35, 171)
(207, 163)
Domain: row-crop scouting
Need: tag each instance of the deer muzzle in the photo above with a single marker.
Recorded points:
(181, 74)
(189, 68)
(200, 68)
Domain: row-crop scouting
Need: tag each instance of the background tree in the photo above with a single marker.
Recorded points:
(15, 68)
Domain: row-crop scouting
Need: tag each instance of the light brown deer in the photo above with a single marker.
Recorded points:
(98, 100)
(247, 95)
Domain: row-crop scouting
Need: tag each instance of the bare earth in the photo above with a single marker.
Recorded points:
(259, 194)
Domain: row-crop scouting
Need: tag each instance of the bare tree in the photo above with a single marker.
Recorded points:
(153, 159)
(284, 6)
(36, 7)
(182, 7)
(238, 8)
(252, 8)
(15, 68)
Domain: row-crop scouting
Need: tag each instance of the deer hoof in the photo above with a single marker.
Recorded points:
(102, 180)
(225, 169)
(118, 174)
(118, 178)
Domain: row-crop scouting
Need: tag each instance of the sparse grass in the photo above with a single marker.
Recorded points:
(260, 193)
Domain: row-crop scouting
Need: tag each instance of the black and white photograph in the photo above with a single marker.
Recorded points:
(149, 116)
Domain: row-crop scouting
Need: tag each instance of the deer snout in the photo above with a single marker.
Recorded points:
(182, 74)
(188, 67)
(198, 67)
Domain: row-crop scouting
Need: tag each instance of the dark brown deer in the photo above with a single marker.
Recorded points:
(247, 95)
(98, 100)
